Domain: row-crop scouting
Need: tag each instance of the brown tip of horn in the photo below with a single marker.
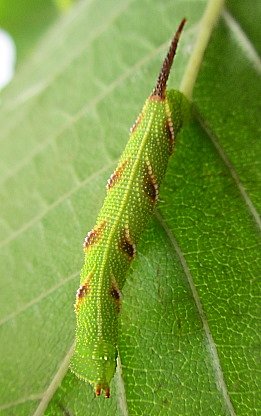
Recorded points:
(160, 87)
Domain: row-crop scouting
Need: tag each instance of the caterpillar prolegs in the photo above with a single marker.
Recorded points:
(110, 247)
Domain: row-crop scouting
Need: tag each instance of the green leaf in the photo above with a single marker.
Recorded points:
(189, 337)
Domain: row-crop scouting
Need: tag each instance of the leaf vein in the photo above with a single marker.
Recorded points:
(34, 90)
(82, 112)
(220, 381)
(250, 206)
(62, 198)
(23, 400)
(36, 300)
(243, 40)
(51, 389)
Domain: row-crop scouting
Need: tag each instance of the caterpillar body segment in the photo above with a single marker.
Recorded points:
(132, 193)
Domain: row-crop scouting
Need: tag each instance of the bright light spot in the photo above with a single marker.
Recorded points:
(7, 58)
(63, 5)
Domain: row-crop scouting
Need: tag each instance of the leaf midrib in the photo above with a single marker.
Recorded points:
(219, 377)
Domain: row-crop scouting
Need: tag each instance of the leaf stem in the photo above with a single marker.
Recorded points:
(208, 20)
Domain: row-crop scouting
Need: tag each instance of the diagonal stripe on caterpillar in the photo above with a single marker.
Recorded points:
(110, 247)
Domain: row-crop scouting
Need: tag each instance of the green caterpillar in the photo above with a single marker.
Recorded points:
(132, 193)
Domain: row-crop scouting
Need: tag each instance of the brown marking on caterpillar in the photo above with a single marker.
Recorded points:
(150, 184)
(160, 87)
(99, 389)
(116, 294)
(116, 175)
(127, 245)
(93, 235)
(82, 292)
(137, 122)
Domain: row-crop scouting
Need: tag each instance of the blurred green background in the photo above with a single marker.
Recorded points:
(26, 20)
